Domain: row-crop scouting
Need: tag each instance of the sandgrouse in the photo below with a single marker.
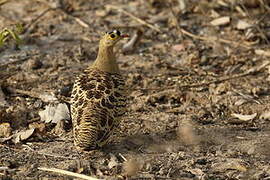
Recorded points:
(98, 97)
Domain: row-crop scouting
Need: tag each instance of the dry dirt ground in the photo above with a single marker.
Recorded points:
(199, 90)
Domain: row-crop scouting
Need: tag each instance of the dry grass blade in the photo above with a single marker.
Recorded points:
(28, 93)
(135, 18)
(68, 173)
(2, 2)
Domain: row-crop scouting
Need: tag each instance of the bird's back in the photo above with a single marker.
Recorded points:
(98, 101)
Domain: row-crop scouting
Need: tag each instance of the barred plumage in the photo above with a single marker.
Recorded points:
(98, 98)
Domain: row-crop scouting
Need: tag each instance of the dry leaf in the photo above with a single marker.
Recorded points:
(221, 21)
(244, 117)
(55, 113)
(62, 113)
(241, 25)
(23, 135)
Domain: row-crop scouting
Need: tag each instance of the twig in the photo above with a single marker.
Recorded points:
(247, 97)
(68, 173)
(54, 155)
(247, 73)
(37, 18)
(130, 26)
(135, 18)
(212, 39)
(123, 157)
(38, 95)
(14, 61)
(24, 92)
(78, 20)
(45, 154)
(81, 22)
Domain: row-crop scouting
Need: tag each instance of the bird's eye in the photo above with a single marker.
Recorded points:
(112, 36)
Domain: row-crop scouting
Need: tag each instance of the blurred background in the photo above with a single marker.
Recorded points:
(198, 74)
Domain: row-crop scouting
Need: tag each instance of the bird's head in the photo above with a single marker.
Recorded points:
(109, 39)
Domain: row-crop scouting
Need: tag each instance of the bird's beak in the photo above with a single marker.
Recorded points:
(124, 36)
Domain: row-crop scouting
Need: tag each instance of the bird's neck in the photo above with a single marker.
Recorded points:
(106, 60)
